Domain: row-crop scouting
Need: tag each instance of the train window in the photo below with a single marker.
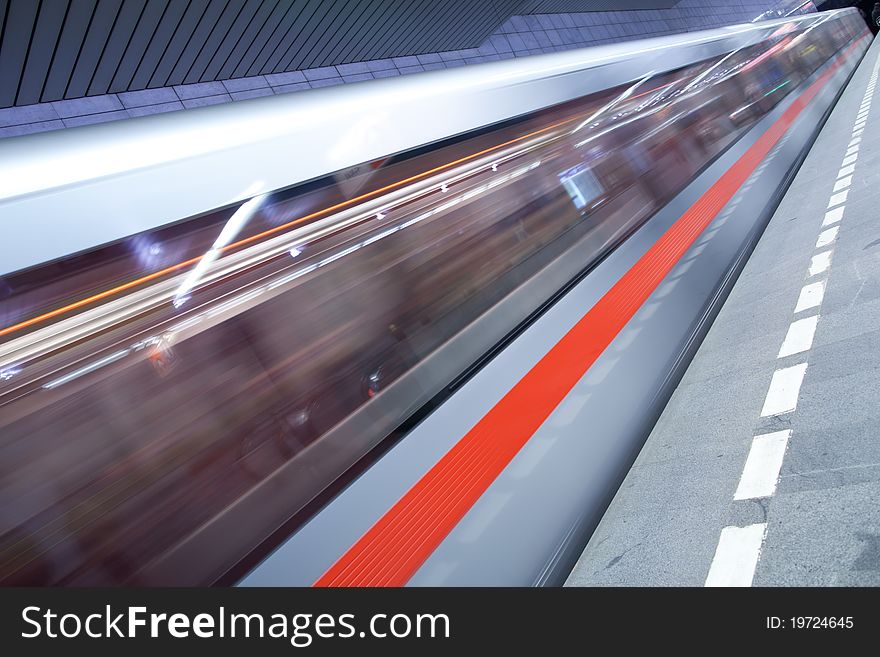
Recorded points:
(581, 185)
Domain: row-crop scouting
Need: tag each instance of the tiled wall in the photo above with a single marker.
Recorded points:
(517, 37)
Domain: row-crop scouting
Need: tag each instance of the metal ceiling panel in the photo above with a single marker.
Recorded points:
(138, 43)
(92, 49)
(68, 49)
(164, 32)
(115, 47)
(278, 34)
(374, 23)
(46, 34)
(21, 18)
(195, 43)
(306, 20)
(235, 33)
(353, 19)
(254, 29)
(325, 23)
(400, 23)
(217, 31)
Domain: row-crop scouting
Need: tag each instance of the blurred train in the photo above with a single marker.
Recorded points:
(212, 323)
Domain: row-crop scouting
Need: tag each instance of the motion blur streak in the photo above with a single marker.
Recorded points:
(178, 432)
(394, 548)
(253, 238)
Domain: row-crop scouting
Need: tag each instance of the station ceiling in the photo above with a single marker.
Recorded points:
(57, 49)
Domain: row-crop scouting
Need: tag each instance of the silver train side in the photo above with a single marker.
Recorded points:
(191, 384)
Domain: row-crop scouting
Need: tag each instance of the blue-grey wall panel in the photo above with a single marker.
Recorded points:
(324, 24)
(278, 34)
(47, 33)
(70, 46)
(329, 50)
(400, 22)
(236, 31)
(21, 18)
(116, 46)
(196, 42)
(254, 29)
(217, 33)
(307, 19)
(90, 54)
(138, 43)
(155, 49)
(251, 47)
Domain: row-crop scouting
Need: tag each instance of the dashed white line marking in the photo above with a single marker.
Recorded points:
(799, 337)
(833, 216)
(739, 548)
(827, 236)
(810, 296)
(842, 183)
(736, 556)
(785, 386)
(761, 472)
(838, 198)
(819, 263)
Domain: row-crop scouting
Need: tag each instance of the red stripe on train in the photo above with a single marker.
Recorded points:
(391, 551)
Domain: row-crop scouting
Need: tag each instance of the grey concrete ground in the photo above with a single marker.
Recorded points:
(823, 522)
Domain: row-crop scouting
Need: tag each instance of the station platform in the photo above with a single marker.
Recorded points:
(764, 468)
